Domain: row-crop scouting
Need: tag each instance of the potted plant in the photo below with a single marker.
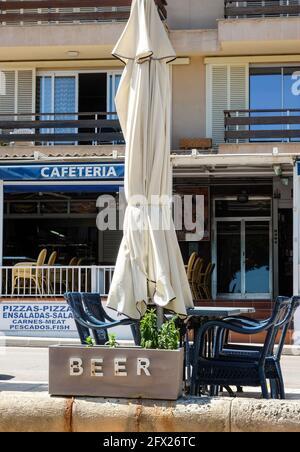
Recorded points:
(152, 371)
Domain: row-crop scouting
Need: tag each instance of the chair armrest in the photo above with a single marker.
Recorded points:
(245, 321)
(221, 326)
(236, 328)
(25, 264)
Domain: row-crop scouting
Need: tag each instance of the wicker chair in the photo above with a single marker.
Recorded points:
(204, 284)
(190, 266)
(273, 372)
(195, 278)
(211, 369)
(91, 318)
(29, 275)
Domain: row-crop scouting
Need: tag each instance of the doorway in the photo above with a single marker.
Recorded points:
(243, 249)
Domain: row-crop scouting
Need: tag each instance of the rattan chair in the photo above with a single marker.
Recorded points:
(190, 266)
(29, 275)
(197, 269)
(273, 371)
(91, 318)
(212, 369)
(204, 284)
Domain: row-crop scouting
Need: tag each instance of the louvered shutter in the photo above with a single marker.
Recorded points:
(227, 87)
(219, 102)
(7, 92)
(25, 95)
(239, 76)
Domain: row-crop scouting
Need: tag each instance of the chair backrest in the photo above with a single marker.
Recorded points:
(279, 316)
(207, 273)
(197, 270)
(285, 324)
(191, 263)
(41, 258)
(94, 308)
(74, 301)
(52, 258)
(73, 262)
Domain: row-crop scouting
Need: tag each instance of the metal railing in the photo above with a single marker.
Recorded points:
(67, 11)
(54, 281)
(262, 125)
(261, 8)
(60, 128)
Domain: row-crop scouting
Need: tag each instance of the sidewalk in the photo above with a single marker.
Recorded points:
(26, 369)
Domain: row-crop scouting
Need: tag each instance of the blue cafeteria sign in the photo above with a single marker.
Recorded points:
(62, 172)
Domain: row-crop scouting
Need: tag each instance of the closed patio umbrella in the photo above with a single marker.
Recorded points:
(149, 266)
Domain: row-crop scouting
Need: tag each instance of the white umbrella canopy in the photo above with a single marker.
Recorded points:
(149, 266)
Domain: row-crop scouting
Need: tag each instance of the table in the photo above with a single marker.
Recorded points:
(195, 319)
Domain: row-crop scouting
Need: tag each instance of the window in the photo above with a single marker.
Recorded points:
(275, 88)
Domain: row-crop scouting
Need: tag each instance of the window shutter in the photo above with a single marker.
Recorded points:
(25, 92)
(227, 87)
(7, 92)
(219, 102)
(239, 76)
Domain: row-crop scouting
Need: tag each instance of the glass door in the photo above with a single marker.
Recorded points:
(57, 93)
(229, 268)
(242, 249)
(257, 257)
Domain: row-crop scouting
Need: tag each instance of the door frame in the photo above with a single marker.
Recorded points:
(241, 220)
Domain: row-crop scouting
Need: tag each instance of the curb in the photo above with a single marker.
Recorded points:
(38, 412)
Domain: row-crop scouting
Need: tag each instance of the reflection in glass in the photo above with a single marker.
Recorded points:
(257, 260)
(275, 88)
(229, 257)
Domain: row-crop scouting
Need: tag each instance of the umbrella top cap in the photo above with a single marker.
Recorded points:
(144, 36)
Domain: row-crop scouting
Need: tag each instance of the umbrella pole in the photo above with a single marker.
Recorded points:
(160, 316)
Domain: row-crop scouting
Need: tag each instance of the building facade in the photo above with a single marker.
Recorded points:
(235, 137)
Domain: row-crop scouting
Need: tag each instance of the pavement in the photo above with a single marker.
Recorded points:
(26, 369)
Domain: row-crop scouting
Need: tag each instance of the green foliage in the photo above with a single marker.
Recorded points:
(89, 341)
(149, 332)
(167, 338)
(112, 342)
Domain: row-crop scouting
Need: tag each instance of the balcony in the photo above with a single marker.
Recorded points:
(29, 12)
(60, 128)
(263, 8)
(262, 126)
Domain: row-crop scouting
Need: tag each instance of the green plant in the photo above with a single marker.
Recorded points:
(169, 335)
(149, 332)
(89, 341)
(167, 338)
(112, 342)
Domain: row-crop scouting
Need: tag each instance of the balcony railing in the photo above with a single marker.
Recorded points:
(261, 8)
(13, 12)
(47, 281)
(262, 125)
(60, 128)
